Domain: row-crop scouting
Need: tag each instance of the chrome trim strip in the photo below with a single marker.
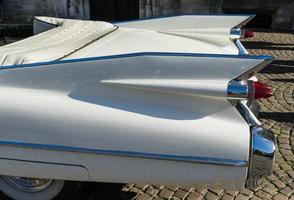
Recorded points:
(247, 114)
(43, 162)
(129, 55)
(194, 159)
(242, 50)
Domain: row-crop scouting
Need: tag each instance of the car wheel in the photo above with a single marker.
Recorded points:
(19, 188)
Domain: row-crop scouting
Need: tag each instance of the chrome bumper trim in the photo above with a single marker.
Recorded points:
(262, 156)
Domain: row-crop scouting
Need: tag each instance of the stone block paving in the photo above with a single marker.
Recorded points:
(277, 114)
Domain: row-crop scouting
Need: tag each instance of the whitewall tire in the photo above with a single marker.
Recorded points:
(18, 188)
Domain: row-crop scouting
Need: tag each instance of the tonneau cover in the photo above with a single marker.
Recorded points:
(64, 37)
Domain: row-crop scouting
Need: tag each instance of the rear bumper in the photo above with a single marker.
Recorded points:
(262, 156)
(262, 145)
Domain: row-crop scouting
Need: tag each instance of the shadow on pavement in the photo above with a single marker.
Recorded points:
(105, 191)
(284, 80)
(267, 45)
(278, 116)
(279, 67)
(262, 30)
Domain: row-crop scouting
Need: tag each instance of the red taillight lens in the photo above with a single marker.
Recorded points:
(261, 90)
(238, 90)
(248, 34)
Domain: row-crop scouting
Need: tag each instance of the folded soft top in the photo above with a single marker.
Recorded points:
(56, 43)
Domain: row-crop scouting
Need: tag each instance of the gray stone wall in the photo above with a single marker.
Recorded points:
(23, 11)
(279, 13)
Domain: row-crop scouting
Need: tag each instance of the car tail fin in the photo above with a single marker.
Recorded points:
(188, 22)
(251, 71)
(220, 30)
(242, 88)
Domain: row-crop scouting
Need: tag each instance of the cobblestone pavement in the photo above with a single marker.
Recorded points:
(277, 114)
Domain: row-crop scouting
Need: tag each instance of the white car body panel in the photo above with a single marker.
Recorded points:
(155, 111)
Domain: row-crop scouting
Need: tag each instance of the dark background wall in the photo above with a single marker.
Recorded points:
(23, 11)
(278, 14)
(16, 16)
(113, 10)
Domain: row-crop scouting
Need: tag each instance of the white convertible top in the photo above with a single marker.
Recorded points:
(56, 43)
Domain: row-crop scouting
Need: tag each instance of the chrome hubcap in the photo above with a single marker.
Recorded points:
(28, 184)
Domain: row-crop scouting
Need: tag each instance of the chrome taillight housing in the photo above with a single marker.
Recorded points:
(237, 33)
(238, 90)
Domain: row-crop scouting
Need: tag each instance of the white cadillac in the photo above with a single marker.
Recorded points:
(166, 101)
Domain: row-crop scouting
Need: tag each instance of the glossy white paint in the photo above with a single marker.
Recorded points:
(144, 117)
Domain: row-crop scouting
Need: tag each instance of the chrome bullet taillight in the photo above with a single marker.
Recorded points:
(238, 90)
(237, 33)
